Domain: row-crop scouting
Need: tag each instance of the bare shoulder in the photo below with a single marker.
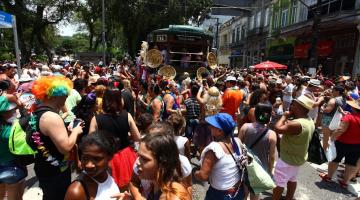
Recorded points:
(75, 192)
(272, 135)
(50, 116)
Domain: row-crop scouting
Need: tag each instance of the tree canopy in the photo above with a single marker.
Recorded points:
(127, 23)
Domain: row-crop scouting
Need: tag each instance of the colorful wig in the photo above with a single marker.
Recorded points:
(51, 86)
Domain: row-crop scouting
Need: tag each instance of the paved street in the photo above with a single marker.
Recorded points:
(309, 187)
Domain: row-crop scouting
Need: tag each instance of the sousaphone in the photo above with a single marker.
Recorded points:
(211, 59)
(200, 71)
(153, 58)
(168, 72)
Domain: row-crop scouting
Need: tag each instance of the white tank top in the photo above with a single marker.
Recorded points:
(106, 189)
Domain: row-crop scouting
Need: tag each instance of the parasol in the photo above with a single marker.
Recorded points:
(268, 65)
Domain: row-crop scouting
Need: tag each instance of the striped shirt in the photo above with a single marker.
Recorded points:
(192, 108)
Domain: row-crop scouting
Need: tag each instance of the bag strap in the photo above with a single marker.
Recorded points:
(232, 156)
(259, 138)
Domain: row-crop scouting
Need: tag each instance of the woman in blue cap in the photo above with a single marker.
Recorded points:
(220, 160)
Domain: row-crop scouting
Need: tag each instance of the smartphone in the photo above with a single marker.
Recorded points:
(204, 82)
(76, 122)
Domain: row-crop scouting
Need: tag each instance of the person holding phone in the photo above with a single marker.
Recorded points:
(52, 169)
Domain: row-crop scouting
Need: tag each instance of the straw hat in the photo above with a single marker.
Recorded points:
(354, 104)
(305, 102)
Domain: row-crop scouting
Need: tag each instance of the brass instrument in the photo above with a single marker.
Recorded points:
(212, 61)
(153, 58)
(168, 72)
(200, 71)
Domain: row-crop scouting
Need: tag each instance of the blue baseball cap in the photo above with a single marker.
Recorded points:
(222, 121)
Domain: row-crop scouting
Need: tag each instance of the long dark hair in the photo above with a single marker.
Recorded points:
(112, 100)
(166, 153)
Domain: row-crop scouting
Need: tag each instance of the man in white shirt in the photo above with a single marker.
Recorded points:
(287, 93)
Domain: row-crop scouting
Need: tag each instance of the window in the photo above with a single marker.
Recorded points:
(267, 14)
(284, 15)
(243, 32)
(238, 34)
(161, 38)
(294, 12)
(252, 22)
(258, 19)
(233, 36)
(310, 2)
(276, 20)
(225, 40)
(303, 13)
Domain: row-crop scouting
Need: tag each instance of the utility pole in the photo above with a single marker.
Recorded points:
(217, 36)
(103, 33)
(315, 32)
(315, 35)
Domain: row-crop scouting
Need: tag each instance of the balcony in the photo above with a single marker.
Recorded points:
(332, 7)
(224, 47)
(255, 31)
(237, 43)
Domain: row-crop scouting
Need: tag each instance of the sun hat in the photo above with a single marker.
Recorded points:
(230, 78)
(222, 121)
(93, 79)
(305, 101)
(315, 82)
(25, 78)
(354, 104)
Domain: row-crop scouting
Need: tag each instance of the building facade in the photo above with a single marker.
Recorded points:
(243, 38)
(292, 31)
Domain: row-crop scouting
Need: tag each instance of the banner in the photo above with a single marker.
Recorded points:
(5, 20)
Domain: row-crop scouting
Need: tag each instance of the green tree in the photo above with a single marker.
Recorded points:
(36, 20)
(139, 17)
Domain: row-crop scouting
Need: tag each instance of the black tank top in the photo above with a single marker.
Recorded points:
(43, 167)
(117, 125)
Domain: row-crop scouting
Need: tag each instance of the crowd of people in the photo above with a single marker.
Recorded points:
(129, 133)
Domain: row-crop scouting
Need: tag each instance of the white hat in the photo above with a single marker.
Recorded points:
(13, 65)
(315, 82)
(230, 78)
(25, 78)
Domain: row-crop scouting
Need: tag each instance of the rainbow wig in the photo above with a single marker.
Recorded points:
(51, 86)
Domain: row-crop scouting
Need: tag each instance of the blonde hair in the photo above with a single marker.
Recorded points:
(213, 103)
(127, 84)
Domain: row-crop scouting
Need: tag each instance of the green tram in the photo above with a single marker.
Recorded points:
(183, 47)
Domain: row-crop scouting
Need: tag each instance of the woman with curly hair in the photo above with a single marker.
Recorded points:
(51, 165)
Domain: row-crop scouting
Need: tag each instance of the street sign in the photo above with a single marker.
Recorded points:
(9, 21)
(5, 20)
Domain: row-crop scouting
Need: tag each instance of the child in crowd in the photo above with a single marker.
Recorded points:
(94, 182)
(183, 144)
